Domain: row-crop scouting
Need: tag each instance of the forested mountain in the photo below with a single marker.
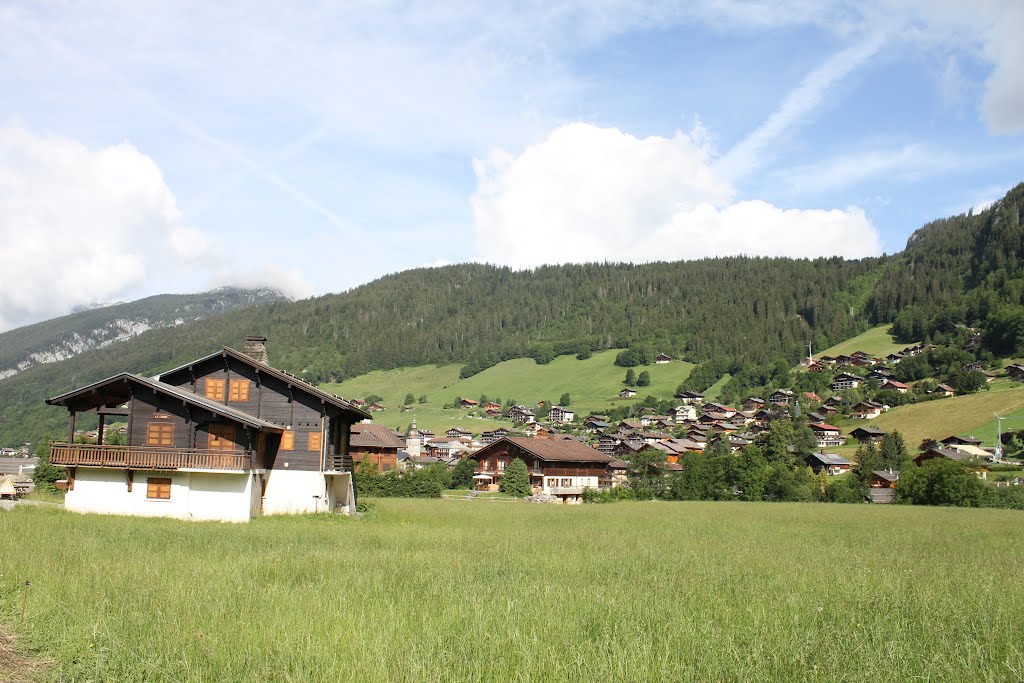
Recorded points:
(740, 311)
(81, 331)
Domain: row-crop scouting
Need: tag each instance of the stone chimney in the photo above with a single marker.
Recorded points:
(256, 348)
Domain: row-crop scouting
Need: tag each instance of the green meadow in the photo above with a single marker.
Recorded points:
(877, 341)
(457, 590)
(593, 385)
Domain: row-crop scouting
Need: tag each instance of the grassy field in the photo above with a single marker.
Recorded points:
(960, 415)
(456, 590)
(877, 341)
(593, 385)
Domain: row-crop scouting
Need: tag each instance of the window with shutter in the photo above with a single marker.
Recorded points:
(160, 434)
(288, 440)
(314, 441)
(215, 389)
(222, 437)
(239, 390)
(158, 488)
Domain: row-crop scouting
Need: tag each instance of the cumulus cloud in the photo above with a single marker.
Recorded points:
(76, 224)
(587, 193)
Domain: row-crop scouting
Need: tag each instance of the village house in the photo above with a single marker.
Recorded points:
(561, 415)
(868, 435)
(943, 390)
(753, 403)
(685, 412)
(468, 403)
(882, 485)
(376, 445)
(662, 358)
(782, 397)
(224, 437)
(1015, 371)
(522, 415)
(627, 393)
(560, 467)
(690, 397)
(866, 410)
(489, 437)
(831, 463)
(458, 433)
(826, 435)
(893, 385)
(845, 380)
(955, 440)
(595, 425)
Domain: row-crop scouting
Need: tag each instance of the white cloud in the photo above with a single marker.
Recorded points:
(78, 225)
(289, 282)
(746, 156)
(592, 194)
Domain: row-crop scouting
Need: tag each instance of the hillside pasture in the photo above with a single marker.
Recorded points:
(877, 341)
(459, 590)
(593, 385)
(969, 415)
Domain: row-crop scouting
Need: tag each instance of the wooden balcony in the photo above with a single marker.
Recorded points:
(338, 462)
(148, 457)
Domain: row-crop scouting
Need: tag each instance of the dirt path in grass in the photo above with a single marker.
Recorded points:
(13, 667)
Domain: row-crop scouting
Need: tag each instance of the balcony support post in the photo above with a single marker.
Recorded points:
(71, 426)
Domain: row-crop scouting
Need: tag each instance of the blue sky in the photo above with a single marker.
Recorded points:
(150, 148)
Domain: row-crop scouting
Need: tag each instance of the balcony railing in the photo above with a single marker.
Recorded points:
(338, 462)
(148, 457)
(566, 490)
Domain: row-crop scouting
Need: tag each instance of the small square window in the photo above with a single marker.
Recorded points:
(158, 488)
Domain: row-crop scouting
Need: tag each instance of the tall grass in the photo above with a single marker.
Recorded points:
(455, 590)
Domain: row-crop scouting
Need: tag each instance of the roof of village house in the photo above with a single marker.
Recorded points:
(375, 436)
(869, 431)
(951, 453)
(969, 440)
(563, 450)
(888, 475)
(618, 465)
(823, 427)
(274, 372)
(169, 390)
(830, 459)
(898, 385)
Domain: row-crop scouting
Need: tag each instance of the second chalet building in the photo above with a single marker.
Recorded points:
(224, 437)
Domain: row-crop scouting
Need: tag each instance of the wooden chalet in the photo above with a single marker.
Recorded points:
(845, 380)
(663, 358)
(223, 437)
(831, 463)
(627, 393)
(893, 385)
(827, 435)
(868, 434)
(882, 485)
(866, 410)
(376, 445)
(955, 440)
(561, 415)
(561, 467)
(1015, 372)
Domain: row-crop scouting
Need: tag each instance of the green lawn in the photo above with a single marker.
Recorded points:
(877, 341)
(450, 590)
(715, 390)
(593, 385)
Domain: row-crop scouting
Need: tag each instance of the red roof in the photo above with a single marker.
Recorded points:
(823, 427)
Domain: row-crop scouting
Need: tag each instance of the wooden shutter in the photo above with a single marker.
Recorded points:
(160, 434)
(222, 437)
(288, 440)
(215, 389)
(158, 488)
(239, 390)
(314, 442)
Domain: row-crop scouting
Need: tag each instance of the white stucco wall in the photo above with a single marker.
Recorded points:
(218, 496)
(585, 482)
(291, 492)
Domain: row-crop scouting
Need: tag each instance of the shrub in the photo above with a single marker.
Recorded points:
(516, 481)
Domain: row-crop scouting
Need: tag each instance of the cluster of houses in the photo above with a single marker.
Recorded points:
(229, 437)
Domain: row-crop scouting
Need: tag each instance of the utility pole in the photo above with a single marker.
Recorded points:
(999, 437)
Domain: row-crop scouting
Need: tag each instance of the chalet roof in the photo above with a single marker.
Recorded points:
(829, 459)
(375, 436)
(286, 377)
(618, 465)
(951, 453)
(888, 475)
(120, 394)
(898, 385)
(823, 427)
(966, 440)
(868, 431)
(554, 450)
